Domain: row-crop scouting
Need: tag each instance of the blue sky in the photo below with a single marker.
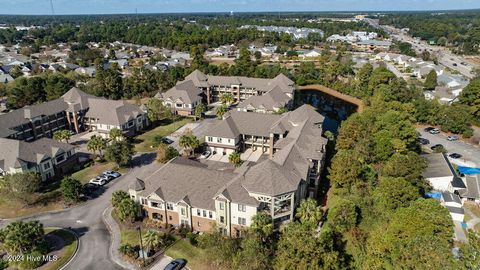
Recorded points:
(167, 6)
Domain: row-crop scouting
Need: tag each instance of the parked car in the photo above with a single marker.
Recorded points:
(423, 141)
(455, 155)
(455, 64)
(437, 147)
(452, 138)
(89, 188)
(99, 181)
(167, 141)
(434, 131)
(428, 129)
(176, 264)
(205, 154)
(111, 174)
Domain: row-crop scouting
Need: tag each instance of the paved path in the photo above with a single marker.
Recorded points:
(86, 220)
(115, 239)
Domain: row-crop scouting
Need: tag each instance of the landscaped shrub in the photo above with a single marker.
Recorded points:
(192, 238)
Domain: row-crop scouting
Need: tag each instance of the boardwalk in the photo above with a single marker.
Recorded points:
(334, 93)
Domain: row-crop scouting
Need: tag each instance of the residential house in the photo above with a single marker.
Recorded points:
(471, 192)
(440, 173)
(45, 156)
(188, 193)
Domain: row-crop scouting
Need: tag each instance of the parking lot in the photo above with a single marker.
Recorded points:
(470, 154)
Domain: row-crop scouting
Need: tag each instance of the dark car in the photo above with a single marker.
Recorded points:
(455, 155)
(428, 129)
(167, 141)
(423, 141)
(176, 264)
(437, 147)
(89, 188)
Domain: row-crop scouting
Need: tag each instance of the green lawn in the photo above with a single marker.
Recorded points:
(13, 208)
(194, 255)
(145, 140)
(66, 252)
(90, 172)
(130, 236)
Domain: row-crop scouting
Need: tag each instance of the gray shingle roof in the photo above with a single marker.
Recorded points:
(14, 152)
(185, 91)
(472, 189)
(450, 197)
(437, 166)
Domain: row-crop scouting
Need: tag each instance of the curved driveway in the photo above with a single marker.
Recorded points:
(86, 220)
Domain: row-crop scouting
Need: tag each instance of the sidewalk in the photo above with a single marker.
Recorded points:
(114, 230)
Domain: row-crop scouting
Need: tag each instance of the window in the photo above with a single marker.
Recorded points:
(157, 216)
(219, 140)
(242, 208)
(46, 166)
(170, 218)
(169, 206)
(222, 219)
(182, 210)
(60, 158)
(242, 221)
(198, 212)
(210, 139)
(204, 213)
(154, 204)
(229, 140)
(179, 105)
(143, 201)
(210, 215)
(221, 206)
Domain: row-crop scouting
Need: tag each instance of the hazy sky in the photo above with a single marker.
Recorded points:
(166, 6)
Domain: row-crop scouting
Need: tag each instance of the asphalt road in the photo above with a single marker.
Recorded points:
(470, 153)
(86, 220)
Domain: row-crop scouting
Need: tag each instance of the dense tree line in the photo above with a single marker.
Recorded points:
(170, 31)
(460, 29)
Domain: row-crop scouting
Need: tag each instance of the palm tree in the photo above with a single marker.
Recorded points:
(152, 240)
(95, 144)
(262, 225)
(188, 142)
(234, 158)
(199, 109)
(309, 212)
(61, 135)
(221, 110)
(115, 134)
(227, 99)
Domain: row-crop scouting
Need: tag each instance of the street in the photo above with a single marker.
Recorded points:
(86, 220)
(470, 153)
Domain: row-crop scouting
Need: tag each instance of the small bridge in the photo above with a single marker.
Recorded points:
(334, 93)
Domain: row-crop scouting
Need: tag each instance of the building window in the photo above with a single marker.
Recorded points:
(46, 166)
(169, 206)
(143, 201)
(229, 140)
(210, 139)
(219, 140)
(242, 208)
(182, 210)
(157, 216)
(222, 219)
(221, 206)
(154, 204)
(198, 212)
(204, 213)
(242, 221)
(170, 218)
(179, 105)
(210, 214)
(60, 158)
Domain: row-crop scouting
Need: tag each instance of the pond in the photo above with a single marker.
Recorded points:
(334, 110)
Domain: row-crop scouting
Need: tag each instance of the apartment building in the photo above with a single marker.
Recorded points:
(187, 192)
(253, 94)
(75, 111)
(44, 156)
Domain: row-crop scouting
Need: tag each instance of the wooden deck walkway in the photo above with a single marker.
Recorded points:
(334, 93)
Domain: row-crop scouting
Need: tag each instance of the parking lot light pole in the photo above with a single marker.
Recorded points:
(139, 228)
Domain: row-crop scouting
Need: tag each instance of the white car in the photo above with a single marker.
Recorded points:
(99, 181)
